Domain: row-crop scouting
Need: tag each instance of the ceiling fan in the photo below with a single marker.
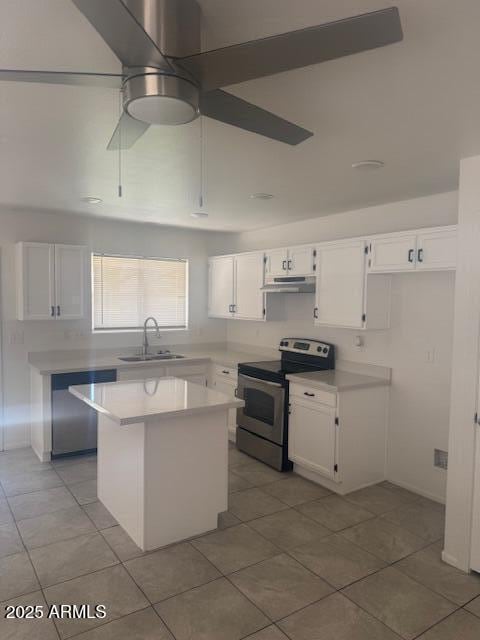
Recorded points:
(166, 79)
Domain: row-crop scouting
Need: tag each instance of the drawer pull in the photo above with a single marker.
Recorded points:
(226, 372)
(306, 393)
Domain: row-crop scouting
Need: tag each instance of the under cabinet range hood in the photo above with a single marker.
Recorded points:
(293, 284)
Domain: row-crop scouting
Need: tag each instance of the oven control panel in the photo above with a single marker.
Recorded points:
(302, 345)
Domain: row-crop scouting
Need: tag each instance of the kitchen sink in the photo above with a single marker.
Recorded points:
(149, 358)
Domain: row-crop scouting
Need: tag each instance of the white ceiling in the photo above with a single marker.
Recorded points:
(415, 105)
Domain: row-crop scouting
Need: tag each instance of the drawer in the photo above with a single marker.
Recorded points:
(225, 372)
(180, 370)
(315, 395)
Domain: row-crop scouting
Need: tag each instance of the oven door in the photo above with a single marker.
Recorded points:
(264, 410)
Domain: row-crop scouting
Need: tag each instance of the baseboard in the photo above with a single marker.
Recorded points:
(420, 492)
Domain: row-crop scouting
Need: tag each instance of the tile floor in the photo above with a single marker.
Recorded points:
(289, 560)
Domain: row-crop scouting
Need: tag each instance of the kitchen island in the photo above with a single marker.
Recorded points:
(162, 456)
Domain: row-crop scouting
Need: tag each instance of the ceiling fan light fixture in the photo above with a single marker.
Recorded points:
(164, 99)
(368, 165)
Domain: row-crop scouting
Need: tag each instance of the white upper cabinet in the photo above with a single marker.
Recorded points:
(69, 281)
(235, 286)
(276, 262)
(301, 261)
(393, 253)
(437, 249)
(35, 281)
(50, 281)
(339, 298)
(423, 250)
(249, 297)
(290, 261)
(220, 286)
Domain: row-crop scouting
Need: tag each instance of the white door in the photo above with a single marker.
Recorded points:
(249, 297)
(276, 264)
(393, 253)
(437, 250)
(35, 281)
(301, 261)
(69, 281)
(475, 548)
(340, 284)
(220, 287)
(311, 429)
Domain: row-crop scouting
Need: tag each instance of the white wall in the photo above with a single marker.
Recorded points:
(99, 235)
(422, 320)
(465, 370)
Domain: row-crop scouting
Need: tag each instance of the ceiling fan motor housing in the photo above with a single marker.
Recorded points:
(161, 95)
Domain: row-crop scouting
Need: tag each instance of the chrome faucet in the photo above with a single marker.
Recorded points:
(145, 338)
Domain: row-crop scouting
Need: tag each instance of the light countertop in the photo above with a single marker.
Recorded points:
(51, 362)
(137, 401)
(337, 380)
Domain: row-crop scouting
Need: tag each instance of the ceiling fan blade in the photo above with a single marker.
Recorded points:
(122, 32)
(109, 80)
(227, 108)
(127, 132)
(258, 58)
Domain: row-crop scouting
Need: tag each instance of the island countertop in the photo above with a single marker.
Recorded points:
(140, 400)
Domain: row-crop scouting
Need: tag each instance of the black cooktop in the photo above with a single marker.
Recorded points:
(274, 369)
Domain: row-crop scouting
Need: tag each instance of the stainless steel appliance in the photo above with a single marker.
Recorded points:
(74, 424)
(263, 422)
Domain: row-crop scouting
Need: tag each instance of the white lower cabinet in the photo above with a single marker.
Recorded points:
(224, 379)
(193, 373)
(312, 437)
(338, 439)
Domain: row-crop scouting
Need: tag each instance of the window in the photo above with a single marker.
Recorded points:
(126, 290)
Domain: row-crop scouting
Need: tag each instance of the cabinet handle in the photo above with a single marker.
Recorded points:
(306, 393)
(284, 265)
(315, 312)
(52, 313)
(225, 371)
(289, 264)
(420, 255)
(235, 392)
(58, 309)
(410, 255)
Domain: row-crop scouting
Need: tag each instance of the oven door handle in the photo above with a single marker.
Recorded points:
(260, 380)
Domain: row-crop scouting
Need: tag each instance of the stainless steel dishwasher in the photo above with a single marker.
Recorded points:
(74, 424)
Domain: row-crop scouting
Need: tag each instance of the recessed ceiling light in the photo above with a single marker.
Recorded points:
(199, 214)
(368, 165)
(92, 200)
(262, 196)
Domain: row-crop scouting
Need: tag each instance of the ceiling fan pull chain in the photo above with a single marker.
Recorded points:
(120, 149)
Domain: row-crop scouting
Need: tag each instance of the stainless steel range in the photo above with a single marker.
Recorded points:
(263, 422)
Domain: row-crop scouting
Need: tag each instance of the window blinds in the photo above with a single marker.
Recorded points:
(126, 290)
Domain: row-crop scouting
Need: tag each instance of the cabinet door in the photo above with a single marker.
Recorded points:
(301, 261)
(142, 372)
(228, 388)
(340, 284)
(35, 281)
(249, 297)
(69, 281)
(276, 264)
(394, 253)
(437, 250)
(220, 287)
(311, 437)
